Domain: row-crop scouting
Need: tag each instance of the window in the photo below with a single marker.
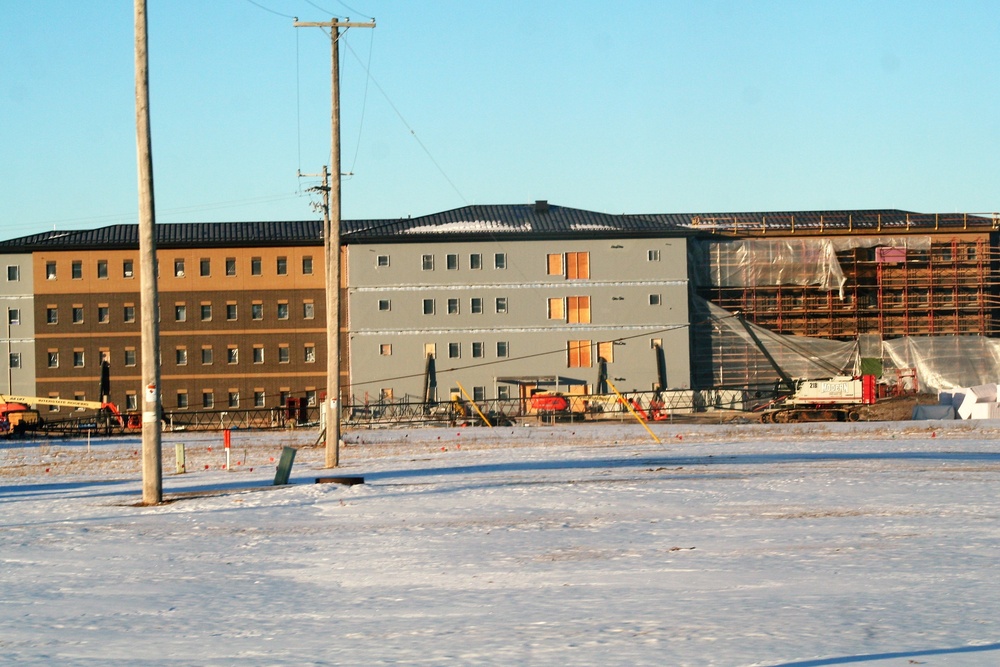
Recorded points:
(76, 270)
(283, 354)
(206, 355)
(77, 314)
(307, 265)
(606, 351)
(282, 266)
(453, 306)
(232, 355)
(230, 266)
(205, 267)
(578, 354)
(383, 304)
(427, 262)
(231, 311)
(557, 310)
(182, 356)
(257, 311)
(475, 261)
(182, 400)
(14, 316)
(477, 350)
(652, 255)
(15, 360)
(179, 268)
(234, 399)
(52, 315)
(53, 408)
(282, 310)
(476, 305)
(208, 399)
(654, 299)
(428, 306)
(78, 359)
(311, 397)
(259, 398)
(206, 312)
(479, 393)
(503, 392)
(258, 354)
(385, 349)
(102, 269)
(578, 309)
(454, 350)
(452, 262)
(577, 265)
(13, 273)
(77, 396)
(131, 401)
(502, 348)
(53, 359)
(180, 312)
(500, 260)
(103, 314)
(130, 356)
(128, 313)
(256, 266)
(50, 270)
(555, 264)
(430, 350)
(308, 310)
(309, 353)
(128, 268)
(382, 261)
(501, 304)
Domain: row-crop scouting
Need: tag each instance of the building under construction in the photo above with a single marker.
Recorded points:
(866, 277)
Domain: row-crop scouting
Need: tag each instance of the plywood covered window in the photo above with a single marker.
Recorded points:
(557, 309)
(577, 265)
(578, 309)
(555, 264)
(578, 354)
(606, 351)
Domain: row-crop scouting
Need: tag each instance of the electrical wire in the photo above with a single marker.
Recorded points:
(506, 360)
(267, 9)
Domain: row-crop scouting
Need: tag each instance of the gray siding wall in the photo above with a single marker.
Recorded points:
(387, 346)
(17, 328)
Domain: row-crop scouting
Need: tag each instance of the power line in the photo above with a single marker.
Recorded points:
(507, 360)
(413, 132)
(267, 9)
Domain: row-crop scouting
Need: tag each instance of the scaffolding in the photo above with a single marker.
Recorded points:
(843, 287)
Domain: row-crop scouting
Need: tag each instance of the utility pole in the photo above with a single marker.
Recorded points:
(152, 467)
(331, 244)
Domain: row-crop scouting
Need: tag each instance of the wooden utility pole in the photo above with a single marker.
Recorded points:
(152, 467)
(331, 245)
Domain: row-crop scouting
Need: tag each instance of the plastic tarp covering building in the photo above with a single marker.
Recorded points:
(726, 355)
(946, 363)
(805, 262)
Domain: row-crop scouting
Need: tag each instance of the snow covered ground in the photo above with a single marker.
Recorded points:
(567, 545)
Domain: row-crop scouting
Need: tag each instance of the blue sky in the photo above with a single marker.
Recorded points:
(625, 107)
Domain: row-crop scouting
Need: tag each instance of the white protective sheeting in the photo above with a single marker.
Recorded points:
(806, 262)
(947, 363)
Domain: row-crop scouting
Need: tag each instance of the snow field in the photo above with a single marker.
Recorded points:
(724, 545)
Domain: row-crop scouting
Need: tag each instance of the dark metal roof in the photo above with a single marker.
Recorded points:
(177, 235)
(509, 221)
